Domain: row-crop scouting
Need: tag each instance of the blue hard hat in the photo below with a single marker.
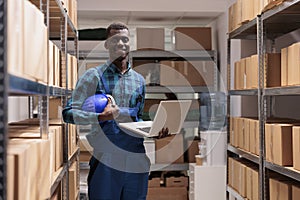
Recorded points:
(95, 103)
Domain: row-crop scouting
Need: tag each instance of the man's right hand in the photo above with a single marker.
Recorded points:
(110, 112)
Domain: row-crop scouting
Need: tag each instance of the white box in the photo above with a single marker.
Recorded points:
(207, 182)
(216, 141)
(150, 149)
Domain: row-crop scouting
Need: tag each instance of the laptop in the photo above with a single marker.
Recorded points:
(170, 113)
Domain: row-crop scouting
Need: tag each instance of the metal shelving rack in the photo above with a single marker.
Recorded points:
(4, 97)
(18, 86)
(63, 29)
(178, 55)
(268, 25)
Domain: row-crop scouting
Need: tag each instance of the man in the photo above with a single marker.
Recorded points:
(119, 167)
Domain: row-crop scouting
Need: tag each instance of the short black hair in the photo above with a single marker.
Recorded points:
(115, 26)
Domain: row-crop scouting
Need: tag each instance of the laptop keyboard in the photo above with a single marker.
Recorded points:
(145, 129)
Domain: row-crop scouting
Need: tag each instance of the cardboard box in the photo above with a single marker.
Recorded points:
(181, 181)
(243, 76)
(21, 170)
(167, 193)
(150, 38)
(55, 108)
(85, 156)
(278, 140)
(280, 189)
(32, 160)
(10, 176)
(191, 38)
(284, 66)
(238, 13)
(35, 43)
(57, 67)
(192, 150)
(149, 70)
(296, 147)
(247, 10)
(252, 183)
(240, 131)
(154, 182)
(254, 136)
(294, 64)
(230, 18)
(236, 134)
(169, 149)
(273, 70)
(184, 73)
(247, 134)
(255, 184)
(240, 74)
(249, 185)
(73, 187)
(230, 171)
(15, 37)
(295, 192)
(254, 72)
(242, 188)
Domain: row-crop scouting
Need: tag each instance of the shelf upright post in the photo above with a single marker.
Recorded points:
(4, 99)
(228, 86)
(216, 72)
(261, 104)
(44, 99)
(64, 82)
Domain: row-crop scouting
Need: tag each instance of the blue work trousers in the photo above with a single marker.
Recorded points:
(107, 183)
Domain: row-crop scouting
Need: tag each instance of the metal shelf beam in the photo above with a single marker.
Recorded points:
(291, 90)
(243, 92)
(244, 154)
(286, 171)
(234, 193)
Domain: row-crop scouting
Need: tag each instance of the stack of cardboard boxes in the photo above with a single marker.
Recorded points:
(243, 11)
(176, 73)
(165, 188)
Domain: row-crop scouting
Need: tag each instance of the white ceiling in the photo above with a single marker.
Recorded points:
(138, 13)
(158, 13)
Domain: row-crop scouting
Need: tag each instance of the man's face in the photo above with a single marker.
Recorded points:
(118, 44)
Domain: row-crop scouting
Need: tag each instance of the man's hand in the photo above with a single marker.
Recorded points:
(164, 132)
(110, 112)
